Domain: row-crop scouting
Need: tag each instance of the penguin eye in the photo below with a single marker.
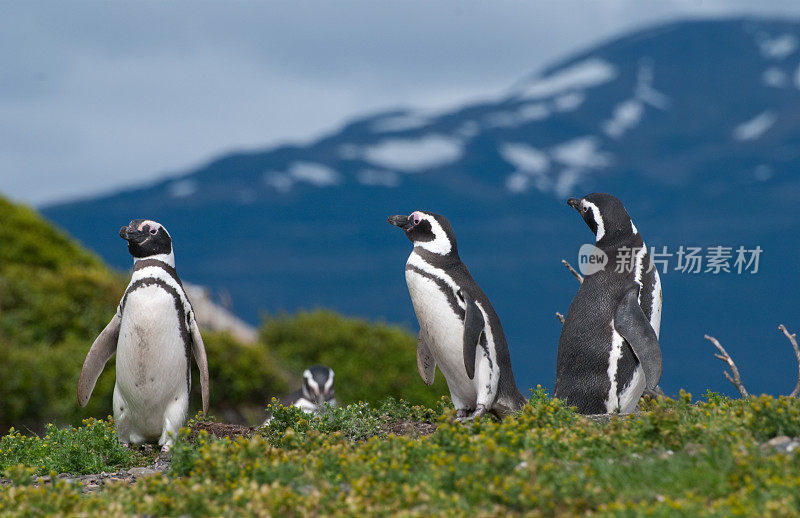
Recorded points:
(154, 231)
(417, 219)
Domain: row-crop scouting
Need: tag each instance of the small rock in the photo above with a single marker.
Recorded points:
(692, 448)
(780, 441)
(665, 455)
(143, 472)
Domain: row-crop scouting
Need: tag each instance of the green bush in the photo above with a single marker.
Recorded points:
(90, 448)
(371, 361)
(243, 378)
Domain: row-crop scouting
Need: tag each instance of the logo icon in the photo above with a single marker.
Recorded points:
(591, 259)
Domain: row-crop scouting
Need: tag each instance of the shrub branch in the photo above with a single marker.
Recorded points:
(572, 270)
(724, 356)
(793, 340)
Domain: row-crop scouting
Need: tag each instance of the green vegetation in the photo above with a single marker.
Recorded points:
(674, 458)
(371, 361)
(90, 448)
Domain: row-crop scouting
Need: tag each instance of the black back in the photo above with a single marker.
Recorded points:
(585, 343)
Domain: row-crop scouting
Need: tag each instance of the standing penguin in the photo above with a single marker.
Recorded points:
(608, 352)
(154, 334)
(459, 330)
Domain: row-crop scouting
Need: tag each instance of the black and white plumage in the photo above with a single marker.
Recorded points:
(315, 393)
(608, 352)
(154, 334)
(317, 390)
(460, 333)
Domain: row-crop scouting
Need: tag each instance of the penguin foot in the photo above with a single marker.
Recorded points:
(462, 414)
(480, 411)
(165, 449)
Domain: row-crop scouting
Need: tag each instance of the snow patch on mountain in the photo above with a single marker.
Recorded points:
(755, 127)
(582, 152)
(774, 77)
(377, 177)
(626, 116)
(645, 91)
(525, 158)
(797, 77)
(585, 74)
(182, 188)
(567, 181)
(414, 155)
(569, 102)
(313, 173)
(533, 112)
(779, 47)
(468, 129)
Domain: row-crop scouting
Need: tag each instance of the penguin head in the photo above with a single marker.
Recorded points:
(318, 384)
(146, 238)
(605, 216)
(429, 231)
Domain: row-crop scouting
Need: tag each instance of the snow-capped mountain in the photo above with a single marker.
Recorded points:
(694, 125)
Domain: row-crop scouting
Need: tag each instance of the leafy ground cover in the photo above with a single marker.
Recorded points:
(710, 457)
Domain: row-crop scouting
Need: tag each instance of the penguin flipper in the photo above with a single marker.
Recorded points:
(103, 348)
(426, 365)
(199, 353)
(473, 327)
(630, 322)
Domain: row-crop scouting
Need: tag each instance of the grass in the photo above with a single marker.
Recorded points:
(674, 458)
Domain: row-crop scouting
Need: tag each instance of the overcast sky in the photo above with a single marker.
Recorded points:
(99, 95)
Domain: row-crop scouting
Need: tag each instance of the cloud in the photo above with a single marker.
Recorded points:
(96, 95)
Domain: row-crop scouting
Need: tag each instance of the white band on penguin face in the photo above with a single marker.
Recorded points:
(154, 225)
(311, 381)
(440, 244)
(598, 219)
(329, 382)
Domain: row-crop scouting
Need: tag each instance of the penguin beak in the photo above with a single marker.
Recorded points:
(132, 235)
(575, 203)
(403, 222)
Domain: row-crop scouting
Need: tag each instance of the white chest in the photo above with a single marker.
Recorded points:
(151, 355)
(441, 326)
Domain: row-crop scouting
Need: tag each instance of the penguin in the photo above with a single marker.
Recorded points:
(317, 390)
(608, 352)
(153, 333)
(314, 394)
(460, 333)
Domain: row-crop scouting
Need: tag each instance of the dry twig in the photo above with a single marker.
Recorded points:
(793, 340)
(572, 270)
(724, 356)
